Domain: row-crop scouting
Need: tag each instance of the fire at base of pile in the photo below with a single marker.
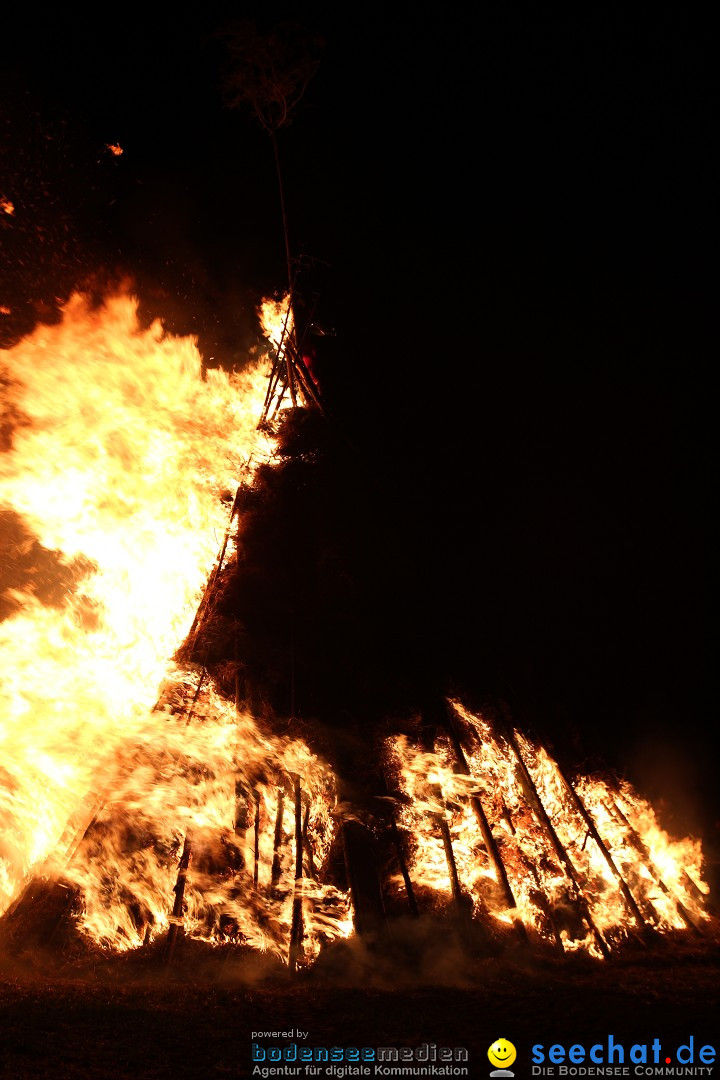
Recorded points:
(195, 835)
(495, 829)
(121, 452)
(136, 825)
(214, 831)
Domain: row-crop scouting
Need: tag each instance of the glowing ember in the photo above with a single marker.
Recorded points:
(6, 207)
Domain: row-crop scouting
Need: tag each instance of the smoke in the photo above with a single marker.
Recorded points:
(414, 952)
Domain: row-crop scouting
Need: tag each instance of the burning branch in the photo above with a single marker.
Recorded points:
(488, 838)
(558, 847)
(296, 930)
(615, 811)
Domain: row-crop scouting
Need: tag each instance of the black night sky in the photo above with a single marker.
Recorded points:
(508, 216)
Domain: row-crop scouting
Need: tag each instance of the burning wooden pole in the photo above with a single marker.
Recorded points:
(307, 846)
(289, 373)
(243, 800)
(452, 865)
(176, 919)
(243, 814)
(691, 885)
(256, 839)
(402, 863)
(462, 902)
(276, 868)
(614, 810)
(281, 374)
(627, 896)
(530, 867)
(398, 846)
(489, 841)
(273, 382)
(558, 847)
(296, 929)
(307, 383)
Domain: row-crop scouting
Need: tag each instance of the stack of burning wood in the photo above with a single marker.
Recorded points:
(281, 833)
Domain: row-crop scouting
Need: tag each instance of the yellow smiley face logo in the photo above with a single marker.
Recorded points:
(502, 1053)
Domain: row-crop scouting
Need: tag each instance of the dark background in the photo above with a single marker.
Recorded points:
(509, 219)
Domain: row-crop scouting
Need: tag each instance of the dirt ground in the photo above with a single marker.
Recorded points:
(103, 1017)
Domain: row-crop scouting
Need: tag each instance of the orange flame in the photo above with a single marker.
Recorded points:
(117, 488)
(582, 876)
(276, 319)
(125, 457)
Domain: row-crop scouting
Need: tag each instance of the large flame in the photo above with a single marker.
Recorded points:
(125, 772)
(125, 455)
(586, 864)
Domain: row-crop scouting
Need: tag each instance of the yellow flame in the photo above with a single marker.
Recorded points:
(117, 489)
(276, 320)
(574, 886)
(124, 460)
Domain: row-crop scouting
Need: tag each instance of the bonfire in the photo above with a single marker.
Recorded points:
(145, 791)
